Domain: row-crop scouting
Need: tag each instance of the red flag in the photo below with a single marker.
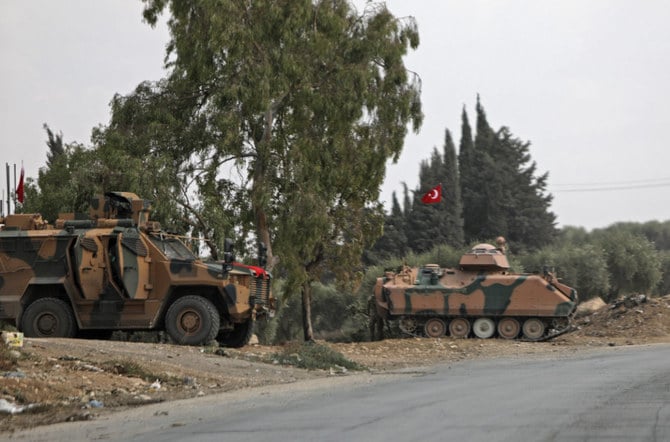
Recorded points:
(434, 195)
(19, 188)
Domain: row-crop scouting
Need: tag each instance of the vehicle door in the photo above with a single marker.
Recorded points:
(90, 264)
(133, 264)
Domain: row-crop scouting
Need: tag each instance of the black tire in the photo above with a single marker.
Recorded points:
(239, 336)
(48, 318)
(192, 320)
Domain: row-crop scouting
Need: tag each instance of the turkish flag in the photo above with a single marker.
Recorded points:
(434, 195)
(19, 188)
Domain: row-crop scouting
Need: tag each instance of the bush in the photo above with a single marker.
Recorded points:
(663, 287)
(314, 356)
(583, 268)
(633, 263)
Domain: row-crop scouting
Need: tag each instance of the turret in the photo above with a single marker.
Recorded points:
(120, 205)
(484, 257)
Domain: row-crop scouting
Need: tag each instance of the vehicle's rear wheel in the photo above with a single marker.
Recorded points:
(508, 328)
(533, 329)
(459, 328)
(48, 318)
(484, 328)
(435, 328)
(192, 320)
(239, 336)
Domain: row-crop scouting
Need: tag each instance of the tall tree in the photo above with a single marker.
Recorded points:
(55, 145)
(452, 223)
(502, 193)
(393, 243)
(471, 196)
(309, 100)
(425, 221)
(66, 183)
(525, 205)
(439, 223)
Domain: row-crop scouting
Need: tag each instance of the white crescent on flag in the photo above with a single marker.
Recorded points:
(434, 195)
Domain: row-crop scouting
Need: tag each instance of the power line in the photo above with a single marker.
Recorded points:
(613, 185)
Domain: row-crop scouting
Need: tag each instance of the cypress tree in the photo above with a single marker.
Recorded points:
(530, 223)
(452, 224)
(501, 193)
(426, 219)
(393, 243)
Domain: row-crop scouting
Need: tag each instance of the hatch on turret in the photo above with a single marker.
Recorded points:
(484, 257)
(120, 205)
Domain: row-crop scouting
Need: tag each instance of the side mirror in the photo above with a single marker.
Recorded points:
(228, 255)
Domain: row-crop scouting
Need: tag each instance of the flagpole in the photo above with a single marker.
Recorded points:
(14, 187)
(9, 198)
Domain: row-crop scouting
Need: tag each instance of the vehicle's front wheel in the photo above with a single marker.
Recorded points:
(48, 318)
(192, 320)
(239, 336)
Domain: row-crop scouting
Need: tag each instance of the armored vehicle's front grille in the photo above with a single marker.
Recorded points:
(260, 290)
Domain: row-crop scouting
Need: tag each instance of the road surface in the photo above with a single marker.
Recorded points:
(619, 393)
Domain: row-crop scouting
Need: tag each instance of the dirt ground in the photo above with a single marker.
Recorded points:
(54, 380)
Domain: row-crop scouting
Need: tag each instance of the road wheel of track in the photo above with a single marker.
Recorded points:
(435, 328)
(508, 328)
(484, 328)
(48, 318)
(192, 320)
(459, 328)
(533, 329)
(407, 325)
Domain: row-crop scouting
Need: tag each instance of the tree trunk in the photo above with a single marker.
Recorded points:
(307, 312)
(259, 188)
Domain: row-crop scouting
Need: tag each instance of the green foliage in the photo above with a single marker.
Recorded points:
(130, 368)
(68, 181)
(664, 286)
(304, 101)
(582, 267)
(633, 262)
(501, 191)
(314, 356)
(656, 232)
(336, 315)
(393, 242)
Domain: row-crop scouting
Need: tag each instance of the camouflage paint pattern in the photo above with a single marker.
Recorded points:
(119, 273)
(482, 287)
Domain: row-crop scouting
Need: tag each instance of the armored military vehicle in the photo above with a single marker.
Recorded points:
(481, 297)
(115, 269)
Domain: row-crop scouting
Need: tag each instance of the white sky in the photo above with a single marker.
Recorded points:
(586, 82)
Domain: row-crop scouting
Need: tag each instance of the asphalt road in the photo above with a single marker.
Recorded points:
(620, 393)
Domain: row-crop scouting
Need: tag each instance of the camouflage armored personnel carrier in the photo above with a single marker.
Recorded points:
(481, 298)
(117, 270)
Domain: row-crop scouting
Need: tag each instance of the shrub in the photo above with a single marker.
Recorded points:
(314, 356)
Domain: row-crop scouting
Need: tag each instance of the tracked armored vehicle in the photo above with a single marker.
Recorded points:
(117, 270)
(480, 298)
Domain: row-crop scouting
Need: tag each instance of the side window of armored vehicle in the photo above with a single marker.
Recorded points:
(172, 248)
